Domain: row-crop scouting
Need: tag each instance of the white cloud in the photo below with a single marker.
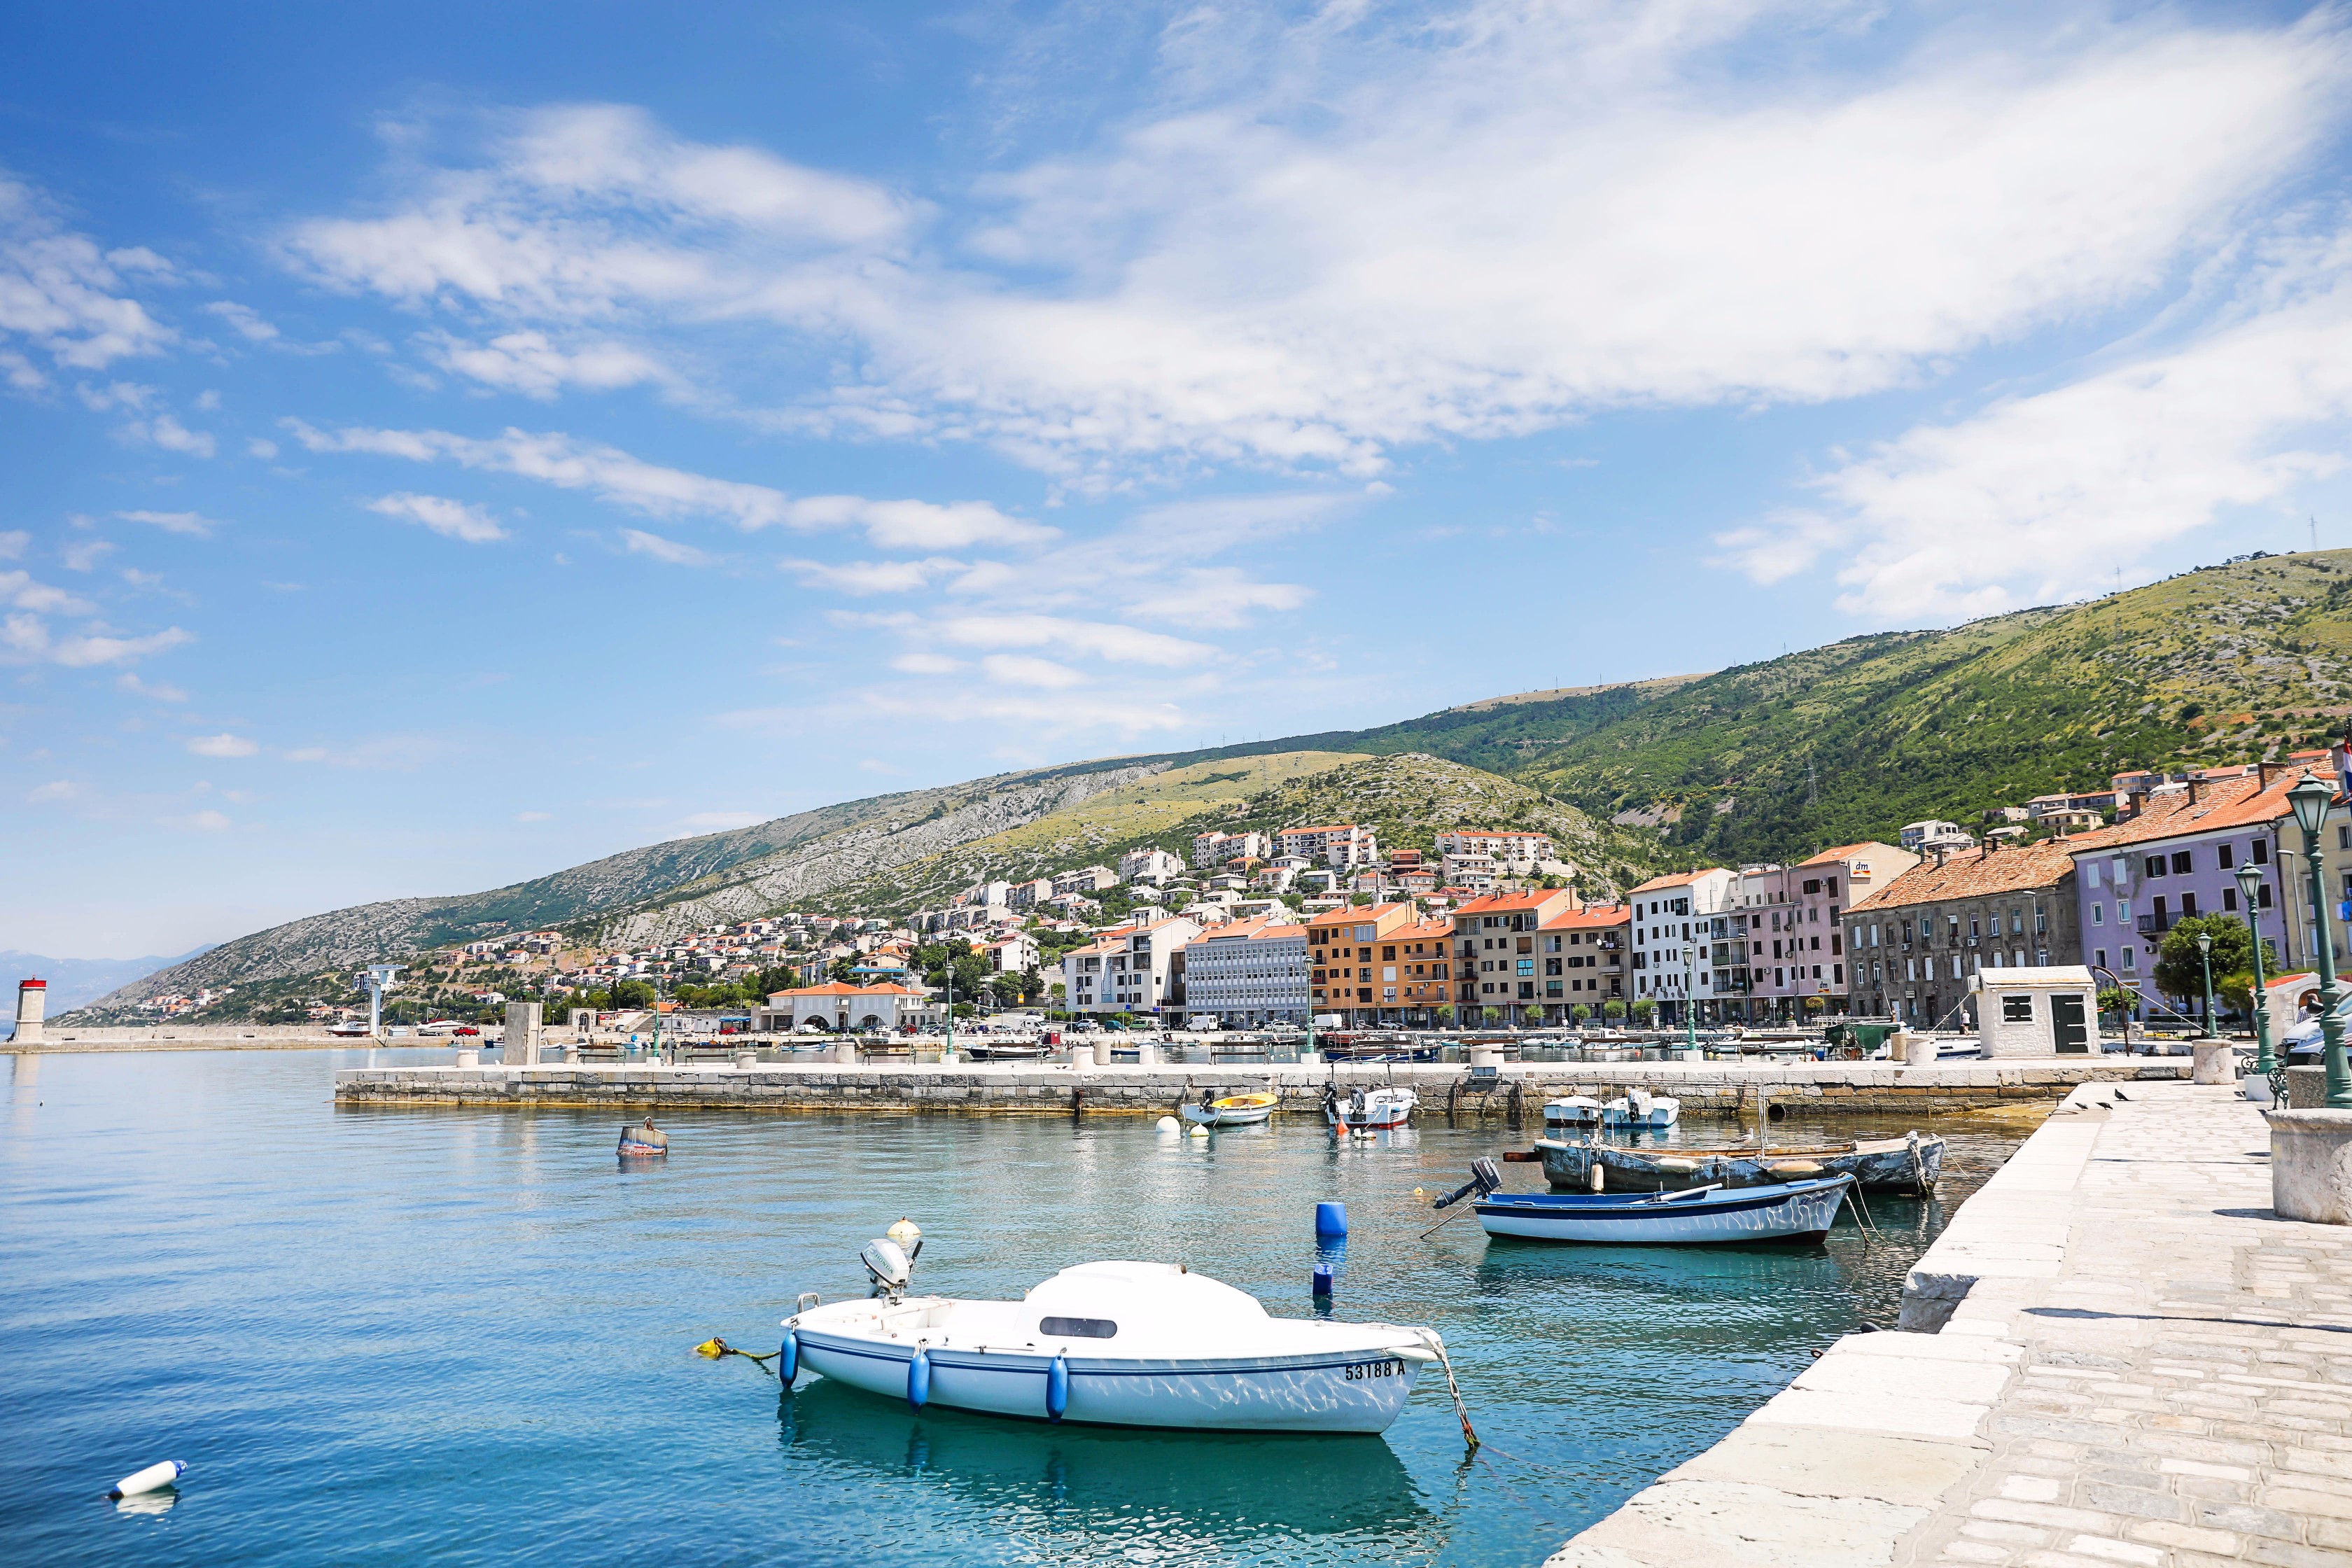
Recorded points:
(222, 745)
(157, 690)
(528, 363)
(667, 550)
(14, 543)
(186, 523)
(1368, 231)
(61, 295)
(1021, 670)
(719, 821)
(85, 555)
(450, 518)
(534, 817)
(261, 448)
(201, 822)
(26, 639)
(864, 578)
(2037, 496)
(1117, 644)
(1220, 596)
(247, 321)
(18, 589)
(928, 664)
(614, 476)
(168, 433)
(56, 790)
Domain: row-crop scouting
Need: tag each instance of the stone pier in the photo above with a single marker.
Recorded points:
(2122, 1356)
(1802, 1089)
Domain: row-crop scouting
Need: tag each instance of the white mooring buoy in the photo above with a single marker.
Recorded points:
(154, 1477)
(1169, 1124)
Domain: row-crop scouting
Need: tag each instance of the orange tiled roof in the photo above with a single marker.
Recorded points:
(1592, 917)
(1526, 898)
(843, 988)
(2220, 803)
(1676, 880)
(1848, 851)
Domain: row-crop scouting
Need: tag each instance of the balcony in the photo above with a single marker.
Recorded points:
(2153, 925)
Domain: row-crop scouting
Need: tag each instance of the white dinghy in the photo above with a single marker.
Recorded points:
(1118, 1344)
(1642, 1109)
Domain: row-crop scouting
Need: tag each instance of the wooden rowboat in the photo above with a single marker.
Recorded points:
(1909, 1164)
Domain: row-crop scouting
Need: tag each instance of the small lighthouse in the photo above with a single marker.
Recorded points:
(32, 1005)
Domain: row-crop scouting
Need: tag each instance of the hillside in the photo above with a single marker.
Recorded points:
(1766, 760)
(1407, 799)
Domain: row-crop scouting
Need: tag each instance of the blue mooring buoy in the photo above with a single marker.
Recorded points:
(1330, 1218)
(1323, 1277)
(918, 1379)
(1057, 1388)
(788, 1357)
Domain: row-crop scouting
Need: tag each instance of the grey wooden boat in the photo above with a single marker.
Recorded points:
(1907, 1165)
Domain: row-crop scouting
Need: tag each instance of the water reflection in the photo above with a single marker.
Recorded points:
(150, 1503)
(1113, 1487)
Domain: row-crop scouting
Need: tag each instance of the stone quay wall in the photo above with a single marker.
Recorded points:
(56, 1041)
(1807, 1088)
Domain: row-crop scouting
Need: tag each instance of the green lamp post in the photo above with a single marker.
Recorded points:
(2249, 887)
(2205, 957)
(2311, 800)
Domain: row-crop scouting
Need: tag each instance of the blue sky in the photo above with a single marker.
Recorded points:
(450, 443)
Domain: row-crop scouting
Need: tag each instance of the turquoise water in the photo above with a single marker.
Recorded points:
(459, 1336)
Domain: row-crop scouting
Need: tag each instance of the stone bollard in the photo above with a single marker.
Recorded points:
(469, 1059)
(1147, 1053)
(1082, 1057)
(2217, 1062)
(1311, 1059)
(845, 1053)
(1915, 1049)
(2306, 1089)
(2311, 1165)
(1486, 1055)
(747, 1059)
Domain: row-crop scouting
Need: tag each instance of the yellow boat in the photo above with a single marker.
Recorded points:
(1234, 1111)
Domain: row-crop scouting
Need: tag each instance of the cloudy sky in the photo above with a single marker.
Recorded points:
(448, 442)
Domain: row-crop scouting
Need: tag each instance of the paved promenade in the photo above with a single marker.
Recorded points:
(2136, 1363)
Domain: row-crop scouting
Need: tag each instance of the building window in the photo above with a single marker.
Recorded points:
(2225, 855)
(2131, 957)
(2098, 914)
(2261, 851)
(2017, 1009)
(2156, 865)
(2101, 960)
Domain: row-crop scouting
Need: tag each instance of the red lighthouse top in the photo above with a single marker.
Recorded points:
(33, 986)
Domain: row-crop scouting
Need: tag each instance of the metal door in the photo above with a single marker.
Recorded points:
(2066, 1022)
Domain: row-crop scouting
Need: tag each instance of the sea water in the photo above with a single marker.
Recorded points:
(464, 1335)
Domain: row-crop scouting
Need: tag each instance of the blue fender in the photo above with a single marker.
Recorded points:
(918, 1379)
(1057, 1388)
(788, 1357)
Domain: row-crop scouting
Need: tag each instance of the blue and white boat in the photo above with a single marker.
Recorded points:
(1700, 1216)
(1113, 1344)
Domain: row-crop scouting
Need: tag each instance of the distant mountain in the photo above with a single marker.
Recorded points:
(1767, 761)
(73, 981)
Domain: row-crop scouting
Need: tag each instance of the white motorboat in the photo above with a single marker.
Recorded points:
(1113, 1344)
(1233, 1110)
(1369, 1109)
(350, 1029)
(1642, 1109)
(1790, 1211)
(1573, 1110)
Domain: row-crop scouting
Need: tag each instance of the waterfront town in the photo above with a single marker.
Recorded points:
(1247, 931)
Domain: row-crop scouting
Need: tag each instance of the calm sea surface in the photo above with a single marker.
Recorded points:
(466, 1336)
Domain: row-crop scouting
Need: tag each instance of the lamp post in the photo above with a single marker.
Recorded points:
(2205, 957)
(2250, 885)
(2311, 800)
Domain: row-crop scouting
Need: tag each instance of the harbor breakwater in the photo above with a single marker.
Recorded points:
(1515, 1089)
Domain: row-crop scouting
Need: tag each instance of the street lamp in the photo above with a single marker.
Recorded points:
(2249, 887)
(2311, 800)
(2205, 957)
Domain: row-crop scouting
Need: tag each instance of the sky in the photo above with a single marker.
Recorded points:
(445, 444)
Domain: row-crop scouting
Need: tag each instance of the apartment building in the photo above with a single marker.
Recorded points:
(1342, 847)
(1380, 965)
(1014, 952)
(1515, 854)
(1249, 975)
(1148, 866)
(1084, 879)
(1128, 969)
(1029, 895)
(1914, 945)
(1216, 848)
(1472, 870)
(2179, 856)
(1671, 942)
(1795, 936)
(1496, 961)
(1581, 956)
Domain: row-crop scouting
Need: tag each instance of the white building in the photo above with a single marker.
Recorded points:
(1921, 838)
(1472, 870)
(1086, 880)
(1515, 854)
(845, 1008)
(1341, 846)
(1029, 895)
(1216, 848)
(1127, 969)
(1148, 866)
(1673, 958)
(1012, 954)
(1249, 975)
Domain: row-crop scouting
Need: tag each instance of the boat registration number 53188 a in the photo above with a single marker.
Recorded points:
(1357, 1371)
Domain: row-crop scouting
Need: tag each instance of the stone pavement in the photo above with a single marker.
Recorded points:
(2137, 1363)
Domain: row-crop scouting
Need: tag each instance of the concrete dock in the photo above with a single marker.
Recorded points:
(1805, 1087)
(2115, 1353)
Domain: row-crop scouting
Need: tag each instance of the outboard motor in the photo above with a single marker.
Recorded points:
(1486, 1176)
(889, 1264)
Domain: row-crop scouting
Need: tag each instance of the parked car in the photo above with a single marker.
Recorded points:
(465, 1029)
